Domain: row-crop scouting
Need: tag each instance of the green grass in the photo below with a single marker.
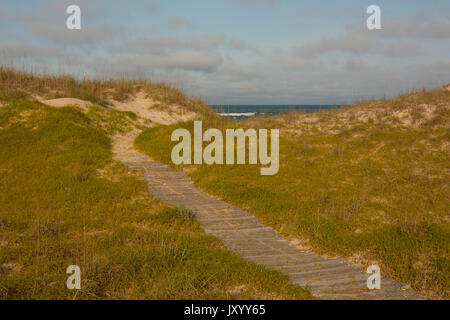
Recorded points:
(63, 201)
(371, 191)
(114, 121)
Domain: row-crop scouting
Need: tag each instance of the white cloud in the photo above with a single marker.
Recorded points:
(144, 65)
(404, 28)
(94, 35)
(358, 42)
(190, 60)
(161, 45)
(24, 50)
(337, 67)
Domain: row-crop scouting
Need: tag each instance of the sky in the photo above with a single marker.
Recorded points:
(239, 51)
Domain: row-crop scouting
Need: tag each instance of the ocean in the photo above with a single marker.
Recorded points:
(243, 112)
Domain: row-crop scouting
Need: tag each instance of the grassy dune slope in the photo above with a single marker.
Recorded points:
(369, 182)
(16, 84)
(63, 201)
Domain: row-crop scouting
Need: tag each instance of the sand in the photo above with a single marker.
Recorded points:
(146, 108)
(123, 145)
(140, 104)
(63, 102)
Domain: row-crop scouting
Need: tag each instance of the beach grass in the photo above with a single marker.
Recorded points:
(27, 84)
(368, 182)
(64, 201)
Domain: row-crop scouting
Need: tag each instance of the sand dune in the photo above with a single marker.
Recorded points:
(140, 104)
(148, 108)
(63, 102)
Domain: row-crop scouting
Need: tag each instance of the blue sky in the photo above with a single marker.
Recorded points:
(240, 51)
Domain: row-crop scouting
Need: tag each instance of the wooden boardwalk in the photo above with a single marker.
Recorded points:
(244, 234)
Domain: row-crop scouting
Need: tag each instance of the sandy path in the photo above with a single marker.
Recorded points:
(244, 234)
(123, 146)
